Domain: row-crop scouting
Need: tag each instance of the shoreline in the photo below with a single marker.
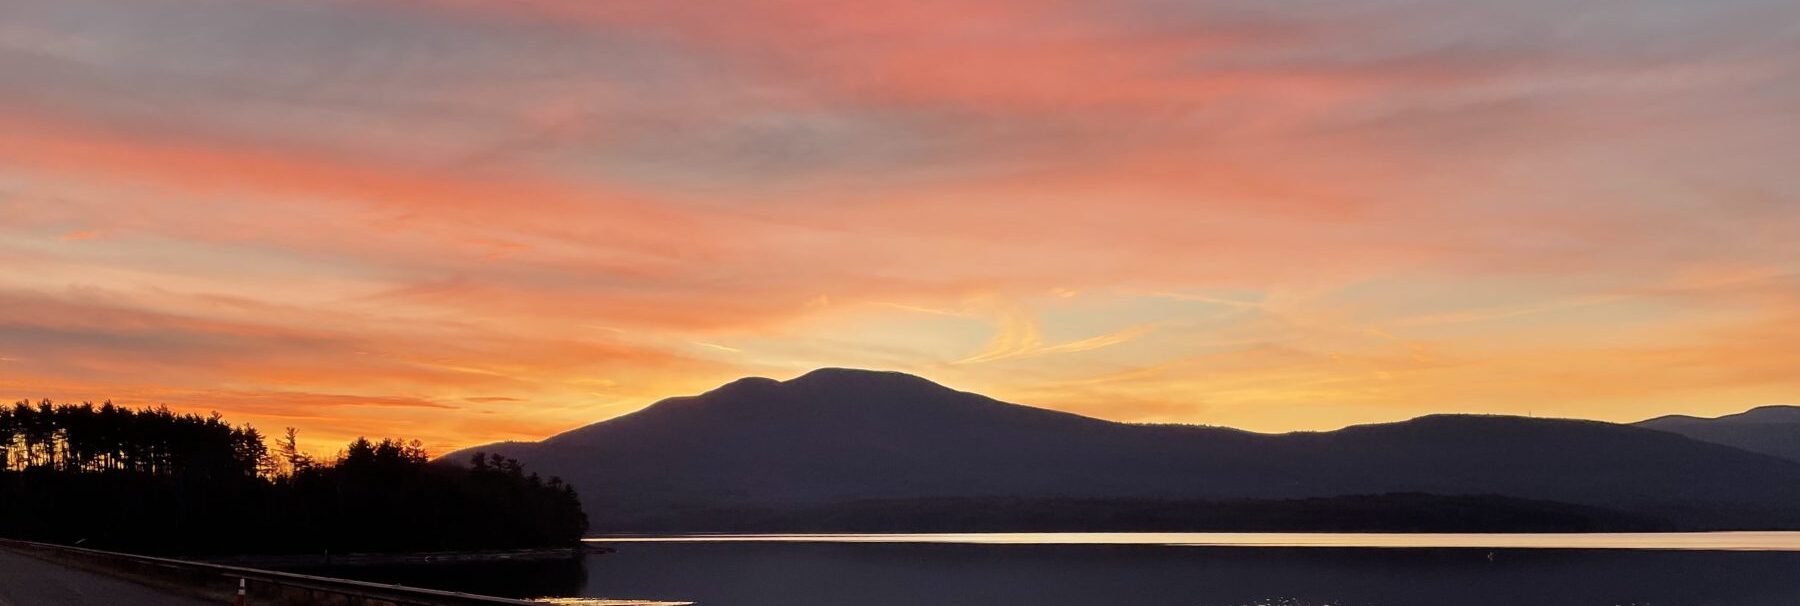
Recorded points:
(1787, 541)
(408, 558)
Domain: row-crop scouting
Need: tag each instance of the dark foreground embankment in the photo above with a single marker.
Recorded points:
(219, 583)
(28, 581)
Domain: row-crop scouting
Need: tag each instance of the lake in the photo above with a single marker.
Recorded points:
(1157, 569)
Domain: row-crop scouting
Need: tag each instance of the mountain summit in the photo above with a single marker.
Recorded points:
(842, 435)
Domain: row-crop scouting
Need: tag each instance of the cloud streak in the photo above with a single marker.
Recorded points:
(1280, 217)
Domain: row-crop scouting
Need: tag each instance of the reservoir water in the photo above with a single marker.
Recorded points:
(1157, 569)
(1705, 541)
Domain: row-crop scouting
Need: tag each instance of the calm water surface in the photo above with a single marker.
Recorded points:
(1160, 569)
(1708, 541)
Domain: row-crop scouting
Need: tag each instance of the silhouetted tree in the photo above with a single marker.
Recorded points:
(288, 452)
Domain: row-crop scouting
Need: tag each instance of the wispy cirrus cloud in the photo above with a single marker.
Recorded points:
(1019, 336)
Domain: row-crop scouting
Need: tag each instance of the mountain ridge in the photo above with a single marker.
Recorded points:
(1768, 413)
(1773, 429)
(843, 435)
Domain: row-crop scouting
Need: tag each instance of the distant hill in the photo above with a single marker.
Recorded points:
(836, 436)
(1771, 430)
(1397, 512)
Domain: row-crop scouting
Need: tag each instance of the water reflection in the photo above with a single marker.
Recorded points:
(1708, 541)
(801, 574)
(935, 574)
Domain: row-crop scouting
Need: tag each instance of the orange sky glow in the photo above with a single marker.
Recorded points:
(467, 221)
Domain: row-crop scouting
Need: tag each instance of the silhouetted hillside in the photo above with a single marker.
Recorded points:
(835, 436)
(1772, 430)
(1405, 512)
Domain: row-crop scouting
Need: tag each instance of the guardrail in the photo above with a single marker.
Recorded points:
(262, 587)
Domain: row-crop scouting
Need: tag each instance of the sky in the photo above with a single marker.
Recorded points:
(465, 221)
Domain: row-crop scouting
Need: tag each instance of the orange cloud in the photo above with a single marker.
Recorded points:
(1257, 215)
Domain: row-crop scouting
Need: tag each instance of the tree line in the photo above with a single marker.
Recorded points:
(153, 481)
(155, 441)
(1392, 512)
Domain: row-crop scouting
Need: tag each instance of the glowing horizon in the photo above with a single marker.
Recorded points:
(469, 221)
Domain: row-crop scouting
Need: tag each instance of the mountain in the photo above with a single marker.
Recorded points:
(1771, 430)
(835, 436)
